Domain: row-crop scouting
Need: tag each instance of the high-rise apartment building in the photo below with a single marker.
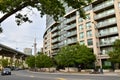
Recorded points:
(98, 31)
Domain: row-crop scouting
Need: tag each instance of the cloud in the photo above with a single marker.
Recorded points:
(23, 36)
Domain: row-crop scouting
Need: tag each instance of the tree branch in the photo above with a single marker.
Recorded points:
(12, 12)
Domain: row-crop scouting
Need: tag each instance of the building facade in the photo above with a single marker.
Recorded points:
(98, 31)
(28, 51)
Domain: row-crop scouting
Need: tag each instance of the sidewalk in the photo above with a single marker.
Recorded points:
(86, 73)
(82, 73)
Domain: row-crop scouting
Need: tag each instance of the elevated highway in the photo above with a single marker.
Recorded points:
(6, 51)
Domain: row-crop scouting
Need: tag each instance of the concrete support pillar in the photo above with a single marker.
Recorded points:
(21, 60)
(14, 59)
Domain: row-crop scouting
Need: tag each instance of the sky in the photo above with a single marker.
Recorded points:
(20, 37)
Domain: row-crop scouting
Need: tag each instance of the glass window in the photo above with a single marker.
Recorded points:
(89, 42)
(81, 27)
(111, 20)
(89, 33)
(119, 5)
(80, 20)
(88, 25)
(106, 63)
(113, 29)
(81, 35)
(82, 42)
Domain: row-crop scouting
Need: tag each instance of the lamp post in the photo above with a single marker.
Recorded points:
(35, 49)
(99, 56)
(100, 63)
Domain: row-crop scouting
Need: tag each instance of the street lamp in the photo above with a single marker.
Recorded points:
(99, 56)
(100, 63)
(35, 49)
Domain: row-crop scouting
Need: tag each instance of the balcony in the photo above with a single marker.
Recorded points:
(73, 33)
(71, 13)
(107, 43)
(55, 40)
(71, 19)
(107, 34)
(55, 29)
(55, 35)
(104, 15)
(103, 56)
(55, 47)
(103, 5)
(106, 23)
(72, 26)
(72, 41)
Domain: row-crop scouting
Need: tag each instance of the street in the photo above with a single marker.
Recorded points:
(28, 75)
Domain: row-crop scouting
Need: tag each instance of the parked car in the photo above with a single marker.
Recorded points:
(6, 71)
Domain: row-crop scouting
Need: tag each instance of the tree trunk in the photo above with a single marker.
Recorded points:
(116, 65)
(68, 69)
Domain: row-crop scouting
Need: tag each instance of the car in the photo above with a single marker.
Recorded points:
(6, 71)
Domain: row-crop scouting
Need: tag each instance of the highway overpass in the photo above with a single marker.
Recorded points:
(6, 51)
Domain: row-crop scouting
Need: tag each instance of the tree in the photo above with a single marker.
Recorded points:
(4, 62)
(53, 8)
(75, 55)
(115, 53)
(11, 62)
(84, 55)
(30, 61)
(65, 57)
(43, 61)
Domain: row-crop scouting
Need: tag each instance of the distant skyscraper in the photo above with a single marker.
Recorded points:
(28, 51)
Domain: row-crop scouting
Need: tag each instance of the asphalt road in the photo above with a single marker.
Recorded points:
(28, 75)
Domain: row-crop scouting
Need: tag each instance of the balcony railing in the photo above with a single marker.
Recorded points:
(106, 23)
(55, 40)
(70, 19)
(107, 43)
(71, 26)
(55, 29)
(72, 33)
(55, 47)
(72, 41)
(55, 34)
(104, 15)
(107, 34)
(104, 5)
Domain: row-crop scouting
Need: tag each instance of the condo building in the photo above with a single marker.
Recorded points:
(98, 31)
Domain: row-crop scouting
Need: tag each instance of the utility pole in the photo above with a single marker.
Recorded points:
(35, 44)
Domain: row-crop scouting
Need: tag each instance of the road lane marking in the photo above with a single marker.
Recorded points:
(61, 79)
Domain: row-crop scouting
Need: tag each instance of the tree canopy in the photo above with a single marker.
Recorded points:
(54, 8)
(115, 53)
(4, 62)
(30, 61)
(43, 61)
(65, 57)
(75, 54)
(84, 55)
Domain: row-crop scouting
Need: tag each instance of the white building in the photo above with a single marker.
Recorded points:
(28, 51)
